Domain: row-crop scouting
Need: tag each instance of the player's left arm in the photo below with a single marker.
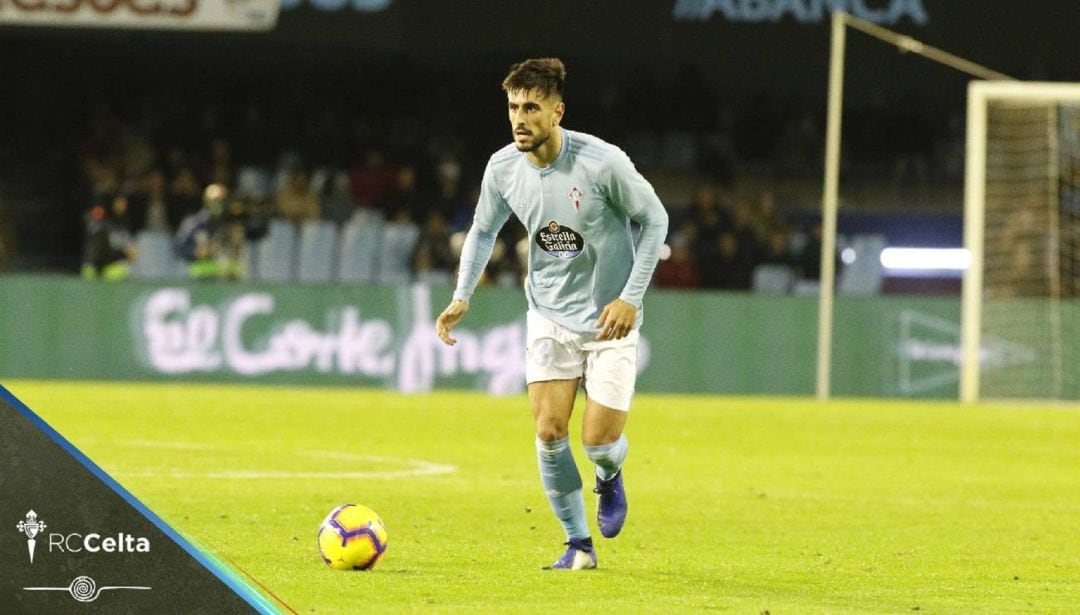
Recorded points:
(632, 193)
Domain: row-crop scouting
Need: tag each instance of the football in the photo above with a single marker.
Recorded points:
(352, 537)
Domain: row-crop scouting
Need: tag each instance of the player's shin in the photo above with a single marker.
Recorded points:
(608, 458)
(611, 505)
(562, 485)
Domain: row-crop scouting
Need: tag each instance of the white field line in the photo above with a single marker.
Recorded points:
(408, 467)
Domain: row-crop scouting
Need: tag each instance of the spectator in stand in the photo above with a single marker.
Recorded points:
(212, 239)
(742, 225)
(183, 194)
(435, 242)
(338, 206)
(404, 202)
(434, 260)
(150, 205)
(449, 199)
(229, 245)
(704, 222)
(192, 240)
(371, 180)
(731, 266)
(775, 250)
(109, 249)
(767, 220)
(295, 202)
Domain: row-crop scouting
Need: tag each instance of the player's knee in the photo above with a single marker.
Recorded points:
(599, 437)
(549, 431)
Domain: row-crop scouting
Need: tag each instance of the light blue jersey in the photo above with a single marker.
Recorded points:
(577, 212)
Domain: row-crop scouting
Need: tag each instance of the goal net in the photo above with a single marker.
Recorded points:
(1021, 314)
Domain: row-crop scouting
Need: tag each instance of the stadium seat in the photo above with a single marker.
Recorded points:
(318, 241)
(274, 254)
(157, 259)
(361, 239)
(769, 279)
(395, 257)
(864, 275)
(806, 288)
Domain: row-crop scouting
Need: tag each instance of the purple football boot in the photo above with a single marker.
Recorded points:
(579, 556)
(611, 510)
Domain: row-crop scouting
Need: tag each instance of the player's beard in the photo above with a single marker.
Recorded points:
(532, 145)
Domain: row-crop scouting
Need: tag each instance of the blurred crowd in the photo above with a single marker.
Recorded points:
(316, 134)
(212, 172)
(214, 205)
(215, 213)
(717, 243)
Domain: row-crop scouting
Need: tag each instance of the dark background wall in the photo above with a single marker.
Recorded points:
(434, 68)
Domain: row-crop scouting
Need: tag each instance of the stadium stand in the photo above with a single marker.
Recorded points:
(395, 257)
(318, 244)
(772, 279)
(275, 258)
(157, 259)
(360, 245)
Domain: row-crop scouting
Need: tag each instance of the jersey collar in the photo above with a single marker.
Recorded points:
(558, 159)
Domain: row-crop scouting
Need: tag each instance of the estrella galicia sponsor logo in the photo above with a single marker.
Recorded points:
(79, 542)
(560, 241)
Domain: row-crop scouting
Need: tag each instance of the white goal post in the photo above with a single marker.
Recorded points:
(830, 193)
(1022, 231)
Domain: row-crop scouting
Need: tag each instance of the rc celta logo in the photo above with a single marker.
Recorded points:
(95, 543)
(76, 542)
(31, 526)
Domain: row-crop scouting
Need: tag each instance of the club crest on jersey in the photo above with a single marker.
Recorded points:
(575, 197)
(560, 241)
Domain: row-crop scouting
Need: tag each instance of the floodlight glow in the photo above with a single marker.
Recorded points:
(926, 259)
(847, 255)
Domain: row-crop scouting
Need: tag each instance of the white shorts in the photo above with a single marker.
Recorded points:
(554, 352)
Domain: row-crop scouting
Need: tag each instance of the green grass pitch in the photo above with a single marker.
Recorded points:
(740, 505)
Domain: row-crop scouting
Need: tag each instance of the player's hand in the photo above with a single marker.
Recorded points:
(616, 321)
(449, 319)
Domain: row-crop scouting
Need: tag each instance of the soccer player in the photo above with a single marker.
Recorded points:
(576, 195)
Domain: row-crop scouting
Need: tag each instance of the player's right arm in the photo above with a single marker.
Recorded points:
(492, 211)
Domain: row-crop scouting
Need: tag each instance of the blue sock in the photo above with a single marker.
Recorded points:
(562, 485)
(608, 457)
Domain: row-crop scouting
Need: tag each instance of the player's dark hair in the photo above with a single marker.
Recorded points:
(545, 75)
